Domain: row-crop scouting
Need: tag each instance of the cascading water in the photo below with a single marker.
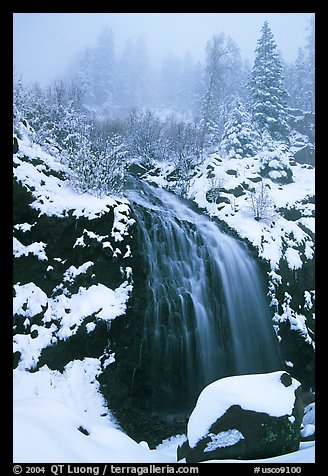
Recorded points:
(206, 313)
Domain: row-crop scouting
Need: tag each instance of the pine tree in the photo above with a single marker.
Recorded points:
(300, 76)
(83, 75)
(269, 97)
(239, 138)
(104, 79)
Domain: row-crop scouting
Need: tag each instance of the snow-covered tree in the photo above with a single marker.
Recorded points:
(310, 51)
(275, 160)
(239, 138)
(220, 83)
(133, 75)
(83, 75)
(300, 76)
(170, 75)
(104, 79)
(184, 149)
(269, 96)
(261, 202)
(144, 137)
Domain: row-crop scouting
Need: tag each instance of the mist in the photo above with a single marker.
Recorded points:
(45, 44)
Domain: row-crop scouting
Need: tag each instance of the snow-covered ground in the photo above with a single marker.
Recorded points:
(274, 236)
(62, 418)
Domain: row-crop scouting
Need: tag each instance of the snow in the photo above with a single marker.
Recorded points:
(297, 321)
(121, 222)
(308, 430)
(98, 299)
(293, 258)
(306, 454)
(50, 406)
(308, 223)
(309, 414)
(23, 227)
(39, 172)
(270, 234)
(69, 311)
(71, 273)
(36, 249)
(223, 439)
(29, 300)
(270, 396)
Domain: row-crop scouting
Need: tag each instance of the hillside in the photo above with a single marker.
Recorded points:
(76, 271)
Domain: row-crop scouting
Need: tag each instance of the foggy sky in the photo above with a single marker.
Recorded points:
(45, 43)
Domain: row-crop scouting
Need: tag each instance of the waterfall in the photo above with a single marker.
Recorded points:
(206, 314)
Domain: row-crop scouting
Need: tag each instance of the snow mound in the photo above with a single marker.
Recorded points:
(47, 431)
(261, 393)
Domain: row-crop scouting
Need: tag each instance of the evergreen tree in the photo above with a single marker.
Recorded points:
(300, 76)
(170, 75)
(83, 75)
(104, 73)
(239, 138)
(269, 97)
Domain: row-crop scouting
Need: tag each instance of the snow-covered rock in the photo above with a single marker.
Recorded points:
(245, 417)
(72, 272)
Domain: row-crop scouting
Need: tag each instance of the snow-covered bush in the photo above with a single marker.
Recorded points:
(144, 137)
(94, 154)
(184, 149)
(99, 172)
(260, 201)
(274, 162)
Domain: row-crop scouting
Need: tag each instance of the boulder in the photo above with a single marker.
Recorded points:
(245, 417)
(305, 155)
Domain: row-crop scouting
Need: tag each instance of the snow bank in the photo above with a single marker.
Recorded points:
(29, 299)
(62, 418)
(44, 176)
(47, 431)
(260, 393)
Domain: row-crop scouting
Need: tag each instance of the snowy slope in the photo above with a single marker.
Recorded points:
(271, 233)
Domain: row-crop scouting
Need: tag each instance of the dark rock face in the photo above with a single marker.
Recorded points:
(294, 345)
(15, 145)
(306, 155)
(61, 235)
(245, 434)
(304, 123)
